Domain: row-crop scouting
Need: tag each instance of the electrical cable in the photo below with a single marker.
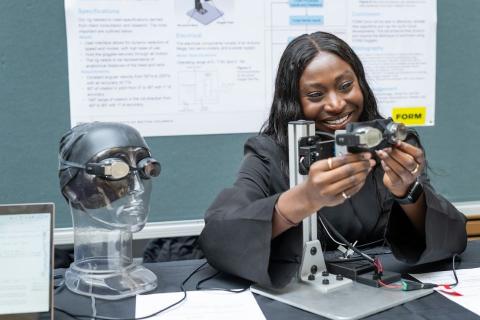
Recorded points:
(407, 285)
(454, 273)
(390, 286)
(182, 286)
(198, 287)
(410, 285)
(326, 134)
(58, 288)
(347, 243)
(370, 243)
(331, 258)
(328, 233)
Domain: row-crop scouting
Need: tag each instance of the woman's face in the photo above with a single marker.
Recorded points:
(330, 93)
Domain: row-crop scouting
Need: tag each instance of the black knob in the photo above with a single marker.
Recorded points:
(314, 269)
(325, 281)
(325, 273)
(339, 277)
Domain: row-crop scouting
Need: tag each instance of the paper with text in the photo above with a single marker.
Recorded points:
(200, 305)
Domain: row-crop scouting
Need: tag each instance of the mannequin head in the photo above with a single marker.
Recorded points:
(105, 174)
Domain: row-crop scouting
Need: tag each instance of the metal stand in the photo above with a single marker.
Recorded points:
(312, 256)
(315, 290)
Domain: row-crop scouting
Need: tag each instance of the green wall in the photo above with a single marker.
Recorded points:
(34, 113)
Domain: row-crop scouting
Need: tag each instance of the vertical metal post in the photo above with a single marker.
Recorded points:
(296, 131)
(312, 257)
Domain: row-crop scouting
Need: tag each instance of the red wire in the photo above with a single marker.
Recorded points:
(391, 286)
(378, 265)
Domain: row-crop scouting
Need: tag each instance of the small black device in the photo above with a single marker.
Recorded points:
(311, 149)
(351, 269)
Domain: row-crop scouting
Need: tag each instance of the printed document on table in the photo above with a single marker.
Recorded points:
(468, 286)
(200, 305)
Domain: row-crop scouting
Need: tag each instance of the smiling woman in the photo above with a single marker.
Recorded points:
(385, 196)
(330, 93)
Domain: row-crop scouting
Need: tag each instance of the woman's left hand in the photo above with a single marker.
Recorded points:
(402, 164)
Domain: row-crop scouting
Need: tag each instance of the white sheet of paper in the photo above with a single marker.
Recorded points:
(468, 286)
(199, 305)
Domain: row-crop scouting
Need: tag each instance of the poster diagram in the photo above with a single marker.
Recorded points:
(197, 90)
(204, 12)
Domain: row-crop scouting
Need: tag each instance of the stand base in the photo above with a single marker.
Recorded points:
(130, 281)
(209, 15)
(348, 302)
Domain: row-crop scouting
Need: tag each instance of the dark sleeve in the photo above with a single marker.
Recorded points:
(445, 232)
(238, 225)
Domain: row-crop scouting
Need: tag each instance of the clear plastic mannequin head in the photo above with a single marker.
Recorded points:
(116, 204)
(106, 172)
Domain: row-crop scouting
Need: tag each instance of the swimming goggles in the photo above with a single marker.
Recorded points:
(116, 169)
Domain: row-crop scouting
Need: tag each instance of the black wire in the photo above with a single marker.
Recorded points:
(353, 259)
(356, 257)
(365, 256)
(206, 279)
(59, 288)
(221, 289)
(345, 241)
(370, 243)
(454, 272)
(373, 251)
(410, 285)
(454, 275)
(77, 316)
(327, 134)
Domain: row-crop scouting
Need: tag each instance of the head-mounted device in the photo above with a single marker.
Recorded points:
(116, 169)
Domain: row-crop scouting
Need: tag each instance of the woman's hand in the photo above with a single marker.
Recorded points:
(402, 164)
(332, 181)
(329, 183)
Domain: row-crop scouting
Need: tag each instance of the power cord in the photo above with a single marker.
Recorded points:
(337, 234)
(198, 287)
(79, 316)
(406, 285)
(410, 285)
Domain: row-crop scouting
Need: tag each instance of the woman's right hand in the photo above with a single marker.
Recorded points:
(331, 181)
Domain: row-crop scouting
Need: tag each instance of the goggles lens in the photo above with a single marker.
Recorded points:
(149, 167)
